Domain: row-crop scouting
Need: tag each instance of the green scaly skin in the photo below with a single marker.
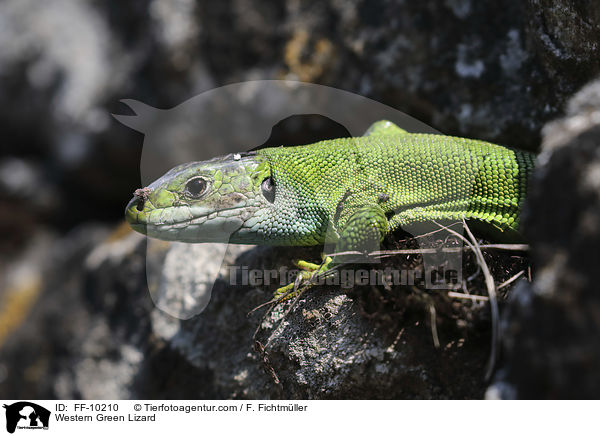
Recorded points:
(349, 191)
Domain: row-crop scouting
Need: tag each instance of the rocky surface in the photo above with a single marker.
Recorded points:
(552, 328)
(105, 336)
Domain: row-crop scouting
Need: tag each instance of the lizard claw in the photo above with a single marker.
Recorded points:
(306, 277)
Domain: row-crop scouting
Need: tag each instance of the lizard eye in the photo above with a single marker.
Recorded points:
(196, 187)
(268, 189)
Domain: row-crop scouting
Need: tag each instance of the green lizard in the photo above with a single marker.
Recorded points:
(349, 191)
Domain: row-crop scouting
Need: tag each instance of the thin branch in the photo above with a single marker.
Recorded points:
(385, 253)
(467, 296)
(433, 322)
(512, 279)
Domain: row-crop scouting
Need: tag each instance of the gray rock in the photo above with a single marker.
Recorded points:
(493, 71)
(322, 347)
(104, 336)
(552, 328)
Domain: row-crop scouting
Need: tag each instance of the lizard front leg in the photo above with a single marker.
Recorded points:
(360, 229)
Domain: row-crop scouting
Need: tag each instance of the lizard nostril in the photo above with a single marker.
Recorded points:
(141, 195)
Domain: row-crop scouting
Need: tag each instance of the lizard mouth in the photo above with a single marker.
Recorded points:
(176, 223)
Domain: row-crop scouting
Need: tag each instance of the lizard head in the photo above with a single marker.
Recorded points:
(209, 201)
